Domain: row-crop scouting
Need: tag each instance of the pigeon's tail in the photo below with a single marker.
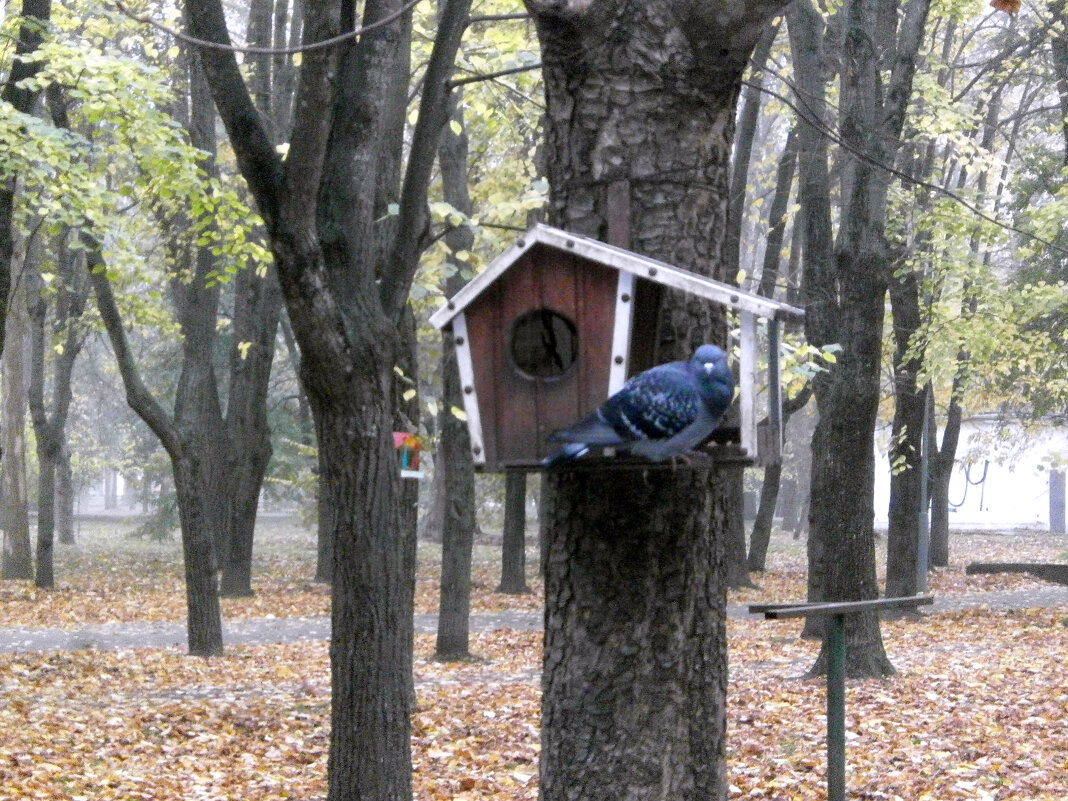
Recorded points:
(566, 454)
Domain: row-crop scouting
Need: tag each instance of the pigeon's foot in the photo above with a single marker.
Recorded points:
(680, 457)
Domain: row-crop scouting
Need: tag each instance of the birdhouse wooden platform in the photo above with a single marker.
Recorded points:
(558, 322)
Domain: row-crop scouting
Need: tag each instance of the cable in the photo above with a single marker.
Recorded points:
(266, 51)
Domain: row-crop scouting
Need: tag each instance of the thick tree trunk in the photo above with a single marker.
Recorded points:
(843, 477)
(807, 36)
(345, 287)
(514, 535)
(371, 672)
(635, 673)
(635, 651)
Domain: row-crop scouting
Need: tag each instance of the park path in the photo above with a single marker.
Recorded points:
(113, 636)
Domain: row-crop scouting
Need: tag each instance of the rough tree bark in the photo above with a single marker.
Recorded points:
(345, 278)
(634, 677)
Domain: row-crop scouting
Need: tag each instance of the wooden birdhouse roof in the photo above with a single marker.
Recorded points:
(619, 259)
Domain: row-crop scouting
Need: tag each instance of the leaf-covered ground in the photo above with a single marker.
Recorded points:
(976, 711)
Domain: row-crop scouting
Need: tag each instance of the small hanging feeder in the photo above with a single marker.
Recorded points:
(408, 447)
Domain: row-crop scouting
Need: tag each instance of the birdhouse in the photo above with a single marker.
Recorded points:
(558, 322)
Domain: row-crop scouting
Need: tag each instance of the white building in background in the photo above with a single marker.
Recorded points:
(1002, 476)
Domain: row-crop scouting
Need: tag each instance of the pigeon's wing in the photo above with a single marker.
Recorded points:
(654, 405)
(659, 450)
(590, 430)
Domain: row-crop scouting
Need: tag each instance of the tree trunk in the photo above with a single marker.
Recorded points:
(257, 309)
(111, 488)
(845, 298)
(14, 501)
(910, 417)
(760, 537)
(1056, 502)
(634, 676)
(941, 467)
(65, 495)
(346, 266)
(635, 665)
(20, 93)
(50, 418)
(734, 537)
(748, 118)
(257, 306)
(454, 454)
(769, 490)
(199, 515)
(769, 278)
(370, 672)
(514, 535)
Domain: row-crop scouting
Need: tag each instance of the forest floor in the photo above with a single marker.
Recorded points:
(976, 710)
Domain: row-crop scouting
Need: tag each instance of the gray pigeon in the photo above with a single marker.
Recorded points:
(666, 411)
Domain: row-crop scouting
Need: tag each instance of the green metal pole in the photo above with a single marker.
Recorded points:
(836, 709)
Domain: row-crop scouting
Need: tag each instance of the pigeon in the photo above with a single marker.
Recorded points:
(662, 413)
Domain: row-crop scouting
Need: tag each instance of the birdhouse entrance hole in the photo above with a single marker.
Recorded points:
(544, 344)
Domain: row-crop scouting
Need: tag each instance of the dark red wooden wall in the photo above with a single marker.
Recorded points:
(518, 412)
